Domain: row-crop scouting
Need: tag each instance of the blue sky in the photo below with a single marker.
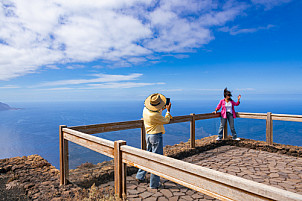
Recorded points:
(125, 50)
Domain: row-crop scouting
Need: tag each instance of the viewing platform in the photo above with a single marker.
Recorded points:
(200, 169)
(273, 169)
(253, 160)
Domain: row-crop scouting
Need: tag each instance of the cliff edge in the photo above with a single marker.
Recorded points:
(4, 106)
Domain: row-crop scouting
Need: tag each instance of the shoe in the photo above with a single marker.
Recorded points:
(238, 139)
(218, 139)
(159, 187)
(141, 180)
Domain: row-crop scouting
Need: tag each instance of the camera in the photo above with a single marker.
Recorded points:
(168, 101)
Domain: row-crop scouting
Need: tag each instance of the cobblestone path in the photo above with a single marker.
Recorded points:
(273, 169)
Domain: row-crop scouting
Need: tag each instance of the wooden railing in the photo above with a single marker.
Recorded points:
(213, 183)
(269, 117)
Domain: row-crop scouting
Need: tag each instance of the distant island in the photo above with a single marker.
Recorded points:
(4, 106)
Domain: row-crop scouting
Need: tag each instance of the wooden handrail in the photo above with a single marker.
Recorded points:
(97, 144)
(251, 115)
(180, 119)
(287, 117)
(108, 127)
(207, 116)
(124, 125)
(211, 182)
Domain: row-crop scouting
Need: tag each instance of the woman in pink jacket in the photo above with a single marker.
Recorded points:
(227, 113)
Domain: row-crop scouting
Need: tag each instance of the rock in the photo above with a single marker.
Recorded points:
(46, 183)
(54, 171)
(56, 199)
(11, 185)
(2, 170)
(36, 195)
(41, 164)
(31, 157)
(66, 193)
(28, 186)
(8, 168)
(274, 175)
(16, 167)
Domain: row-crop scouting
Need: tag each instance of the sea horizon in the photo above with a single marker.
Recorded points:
(35, 128)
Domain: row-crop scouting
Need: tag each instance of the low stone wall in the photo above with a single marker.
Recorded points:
(37, 179)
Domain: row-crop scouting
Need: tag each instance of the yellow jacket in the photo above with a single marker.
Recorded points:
(154, 121)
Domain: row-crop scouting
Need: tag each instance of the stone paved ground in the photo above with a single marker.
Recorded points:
(168, 191)
(273, 169)
(249, 159)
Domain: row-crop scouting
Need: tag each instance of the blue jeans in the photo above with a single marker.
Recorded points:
(230, 118)
(155, 145)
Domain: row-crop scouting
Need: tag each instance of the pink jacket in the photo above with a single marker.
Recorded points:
(223, 110)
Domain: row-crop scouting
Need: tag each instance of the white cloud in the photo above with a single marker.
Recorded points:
(178, 56)
(120, 85)
(246, 89)
(109, 85)
(269, 4)
(100, 78)
(102, 81)
(135, 60)
(119, 33)
(236, 30)
(97, 66)
(75, 67)
(58, 89)
(171, 90)
(9, 87)
(54, 67)
(209, 89)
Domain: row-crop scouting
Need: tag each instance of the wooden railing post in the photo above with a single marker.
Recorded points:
(143, 137)
(192, 131)
(66, 162)
(269, 129)
(225, 131)
(119, 170)
(124, 182)
(63, 160)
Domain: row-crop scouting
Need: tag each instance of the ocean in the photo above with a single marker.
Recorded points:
(35, 128)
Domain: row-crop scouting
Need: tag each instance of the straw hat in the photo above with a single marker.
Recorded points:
(155, 102)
